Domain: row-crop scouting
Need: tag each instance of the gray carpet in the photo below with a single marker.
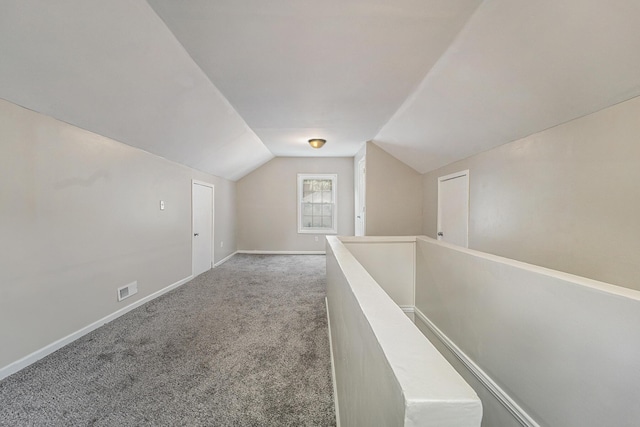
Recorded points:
(244, 344)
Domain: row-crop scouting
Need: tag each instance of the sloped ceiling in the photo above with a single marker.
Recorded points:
(298, 69)
(518, 67)
(114, 68)
(223, 85)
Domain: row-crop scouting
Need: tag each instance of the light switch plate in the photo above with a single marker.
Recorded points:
(161, 205)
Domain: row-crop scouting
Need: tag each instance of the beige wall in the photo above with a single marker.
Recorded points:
(80, 217)
(393, 195)
(562, 347)
(225, 216)
(567, 198)
(267, 203)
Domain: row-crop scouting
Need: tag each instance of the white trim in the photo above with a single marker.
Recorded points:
(22, 363)
(259, 252)
(580, 280)
(409, 311)
(361, 193)
(415, 275)
(205, 183)
(333, 366)
(454, 175)
(213, 221)
(441, 179)
(334, 200)
(506, 401)
(407, 308)
(377, 239)
(225, 259)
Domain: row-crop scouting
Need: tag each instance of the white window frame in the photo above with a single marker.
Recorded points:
(334, 201)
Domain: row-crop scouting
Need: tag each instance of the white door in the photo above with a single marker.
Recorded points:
(360, 198)
(453, 208)
(202, 204)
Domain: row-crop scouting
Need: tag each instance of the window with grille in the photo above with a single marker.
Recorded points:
(317, 208)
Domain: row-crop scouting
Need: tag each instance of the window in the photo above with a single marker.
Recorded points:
(317, 203)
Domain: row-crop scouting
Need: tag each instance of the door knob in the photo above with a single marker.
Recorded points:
(196, 234)
(440, 233)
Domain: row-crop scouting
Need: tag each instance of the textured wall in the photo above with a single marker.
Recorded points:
(80, 217)
(566, 198)
(268, 203)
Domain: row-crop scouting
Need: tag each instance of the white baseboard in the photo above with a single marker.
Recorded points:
(333, 367)
(515, 409)
(19, 364)
(257, 252)
(222, 261)
(409, 311)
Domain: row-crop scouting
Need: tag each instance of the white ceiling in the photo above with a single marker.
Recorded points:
(299, 69)
(114, 68)
(518, 67)
(225, 85)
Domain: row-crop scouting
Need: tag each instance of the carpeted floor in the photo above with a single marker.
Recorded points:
(244, 344)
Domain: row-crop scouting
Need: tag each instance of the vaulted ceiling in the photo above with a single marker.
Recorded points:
(225, 85)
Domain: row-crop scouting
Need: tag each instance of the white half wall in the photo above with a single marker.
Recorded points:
(387, 373)
(563, 348)
(391, 263)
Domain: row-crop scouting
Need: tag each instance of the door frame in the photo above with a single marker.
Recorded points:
(361, 194)
(463, 173)
(213, 221)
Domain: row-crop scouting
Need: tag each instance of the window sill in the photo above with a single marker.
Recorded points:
(319, 232)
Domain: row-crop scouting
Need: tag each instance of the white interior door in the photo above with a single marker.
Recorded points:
(453, 208)
(202, 211)
(360, 198)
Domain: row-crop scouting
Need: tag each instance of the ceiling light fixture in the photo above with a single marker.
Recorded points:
(317, 143)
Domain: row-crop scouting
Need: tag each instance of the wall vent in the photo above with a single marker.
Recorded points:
(127, 290)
